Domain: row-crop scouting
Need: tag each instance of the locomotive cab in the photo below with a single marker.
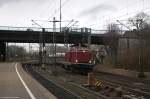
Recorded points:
(78, 58)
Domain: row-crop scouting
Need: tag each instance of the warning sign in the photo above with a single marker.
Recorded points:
(98, 84)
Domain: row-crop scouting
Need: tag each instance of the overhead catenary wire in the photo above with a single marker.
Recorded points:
(126, 14)
(121, 16)
(55, 11)
(41, 44)
(50, 5)
(123, 8)
(58, 9)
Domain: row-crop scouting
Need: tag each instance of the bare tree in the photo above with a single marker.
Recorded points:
(141, 23)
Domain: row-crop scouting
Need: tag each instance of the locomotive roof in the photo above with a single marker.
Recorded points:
(76, 45)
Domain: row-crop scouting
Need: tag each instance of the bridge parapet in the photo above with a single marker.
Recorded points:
(64, 29)
(11, 28)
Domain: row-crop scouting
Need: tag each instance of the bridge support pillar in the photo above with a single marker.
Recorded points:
(2, 51)
(89, 41)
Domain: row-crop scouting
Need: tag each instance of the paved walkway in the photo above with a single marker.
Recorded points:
(15, 83)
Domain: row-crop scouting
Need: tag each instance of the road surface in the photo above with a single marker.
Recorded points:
(15, 83)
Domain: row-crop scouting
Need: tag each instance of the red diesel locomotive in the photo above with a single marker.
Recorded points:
(78, 59)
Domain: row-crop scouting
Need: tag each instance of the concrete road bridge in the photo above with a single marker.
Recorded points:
(48, 35)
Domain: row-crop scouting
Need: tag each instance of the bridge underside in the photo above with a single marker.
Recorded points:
(11, 36)
(34, 37)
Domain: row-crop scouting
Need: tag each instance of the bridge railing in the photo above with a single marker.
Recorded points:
(77, 30)
(36, 29)
(20, 28)
(11, 28)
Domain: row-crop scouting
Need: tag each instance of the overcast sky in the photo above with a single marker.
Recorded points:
(90, 13)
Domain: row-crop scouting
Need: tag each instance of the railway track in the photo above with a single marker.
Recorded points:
(55, 89)
(128, 86)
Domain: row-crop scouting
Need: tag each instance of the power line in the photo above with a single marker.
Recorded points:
(127, 14)
(131, 4)
(48, 6)
(134, 12)
(58, 9)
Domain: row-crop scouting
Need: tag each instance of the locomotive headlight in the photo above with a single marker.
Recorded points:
(76, 61)
(90, 61)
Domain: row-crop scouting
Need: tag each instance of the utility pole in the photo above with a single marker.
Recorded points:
(7, 55)
(40, 43)
(54, 21)
(89, 41)
(40, 49)
(141, 71)
(60, 16)
(54, 38)
(30, 50)
(67, 27)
